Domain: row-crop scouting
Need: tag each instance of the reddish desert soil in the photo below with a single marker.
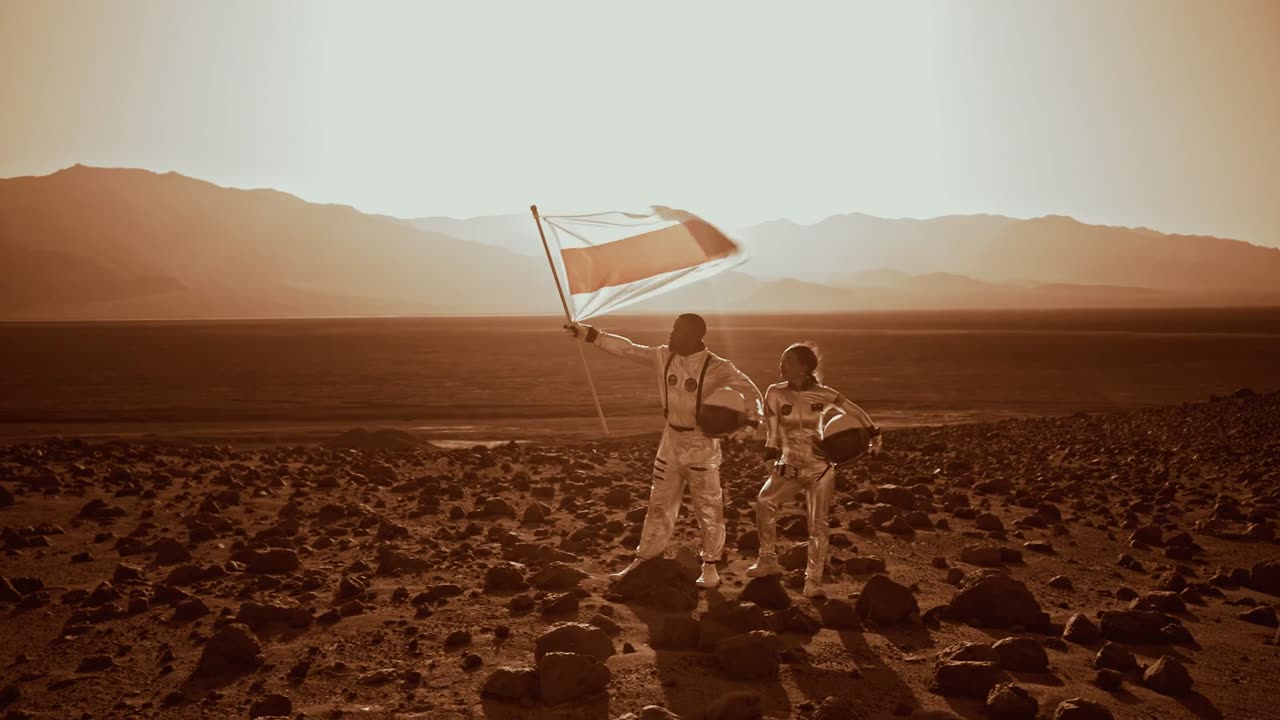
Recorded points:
(395, 580)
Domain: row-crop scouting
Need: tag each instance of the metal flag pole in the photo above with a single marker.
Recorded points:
(537, 220)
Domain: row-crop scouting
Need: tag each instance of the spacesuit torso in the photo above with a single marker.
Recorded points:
(795, 418)
(680, 378)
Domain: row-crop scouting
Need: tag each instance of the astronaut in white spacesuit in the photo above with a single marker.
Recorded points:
(684, 368)
(794, 413)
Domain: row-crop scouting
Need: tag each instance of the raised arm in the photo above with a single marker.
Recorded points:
(614, 344)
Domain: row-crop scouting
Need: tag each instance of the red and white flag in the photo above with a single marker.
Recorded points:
(607, 261)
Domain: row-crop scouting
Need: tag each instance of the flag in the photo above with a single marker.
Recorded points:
(607, 261)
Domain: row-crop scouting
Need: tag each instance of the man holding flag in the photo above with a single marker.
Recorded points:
(610, 260)
(686, 369)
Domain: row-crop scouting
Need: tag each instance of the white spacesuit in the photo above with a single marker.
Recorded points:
(685, 454)
(794, 420)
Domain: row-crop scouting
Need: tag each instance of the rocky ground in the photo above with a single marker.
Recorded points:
(1121, 565)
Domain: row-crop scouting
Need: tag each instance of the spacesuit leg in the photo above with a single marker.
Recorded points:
(708, 507)
(818, 496)
(664, 503)
(777, 491)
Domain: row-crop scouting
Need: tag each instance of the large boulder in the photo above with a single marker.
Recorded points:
(1021, 654)
(897, 496)
(990, 599)
(966, 679)
(1007, 701)
(505, 577)
(885, 602)
(726, 619)
(512, 684)
(749, 656)
(1168, 677)
(234, 649)
(1080, 629)
(1137, 626)
(660, 583)
(572, 637)
(1265, 577)
(767, 592)
(563, 677)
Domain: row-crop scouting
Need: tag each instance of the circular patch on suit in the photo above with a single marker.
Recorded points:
(671, 380)
(786, 410)
(690, 384)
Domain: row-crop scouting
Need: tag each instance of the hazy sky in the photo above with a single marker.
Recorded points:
(1163, 113)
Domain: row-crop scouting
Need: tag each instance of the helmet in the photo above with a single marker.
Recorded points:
(843, 439)
(722, 412)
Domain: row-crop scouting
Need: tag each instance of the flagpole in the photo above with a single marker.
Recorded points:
(569, 317)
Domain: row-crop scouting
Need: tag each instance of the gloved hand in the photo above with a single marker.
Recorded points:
(877, 445)
(579, 331)
(746, 432)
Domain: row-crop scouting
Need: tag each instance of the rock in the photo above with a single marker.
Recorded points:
(6, 497)
(767, 592)
(969, 652)
(578, 638)
(988, 522)
(1108, 679)
(605, 623)
(170, 552)
(1168, 677)
(270, 561)
(566, 676)
(1166, 602)
(7, 592)
(618, 497)
(749, 656)
(726, 619)
(967, 679)
(1081, 630)
(190, 609)
(674, 632)
(505, 577)
(1020, 654)
(864, 565)
(512, 684)
(457, 638)
(885, 602)
(659, 583)
(1007, 701)
(838, 615)
(1081, 709)
(258, 615)
(9, 694)
(233, 649)
(95, 663)
(981, 555)
(897, 496)
(990, 599)
(737, 705)
(1261, 615)
(837, 708)
(1136, 626)
(1061, 582)
(273, 705)
(1265, 577)
(558, 576)
(1115, 657)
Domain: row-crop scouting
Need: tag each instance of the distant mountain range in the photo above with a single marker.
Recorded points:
(99, 243)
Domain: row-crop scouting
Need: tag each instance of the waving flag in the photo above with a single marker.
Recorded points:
(610, 260)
